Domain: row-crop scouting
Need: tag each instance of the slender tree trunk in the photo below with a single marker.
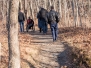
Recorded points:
(80, 23)
(89, 5)
(7, 15)
(68, 19)
(45, 4)
(13, 44)
(50, 2)
(60, 9)
(28, 9)
(73, 9)
(37, 5)
(65, 7)
(20, 1)
(32, 10)
(3, 9)
(77, 21)
(54, 4)
(67, 15)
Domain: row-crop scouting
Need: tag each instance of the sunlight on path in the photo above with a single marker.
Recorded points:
(52, 54)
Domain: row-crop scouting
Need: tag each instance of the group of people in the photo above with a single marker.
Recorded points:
(44, 18)
(51, 18)
(21, 19)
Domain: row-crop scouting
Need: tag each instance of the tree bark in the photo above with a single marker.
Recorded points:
(89, 5)
(45, 4)
(13, 44)
(53, 4)
(77, 13)
(65, 7)
(60, 9)
(32, 10)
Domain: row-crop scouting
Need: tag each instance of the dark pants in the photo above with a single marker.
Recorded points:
(44, 26)
(40, 25)
(29, 26)
(21, 26)
(54, 30)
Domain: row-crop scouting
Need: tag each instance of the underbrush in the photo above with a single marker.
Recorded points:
(79, 40)
(80, 58)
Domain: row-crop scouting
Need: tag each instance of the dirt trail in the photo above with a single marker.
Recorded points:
(51, 54)
(37, 50)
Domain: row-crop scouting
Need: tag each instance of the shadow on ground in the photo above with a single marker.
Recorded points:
(64, 57)
(26, 64)
(73, 57)
(36, 32)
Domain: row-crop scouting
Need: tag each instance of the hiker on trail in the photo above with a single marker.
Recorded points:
(39, 20)
(42, 20)
(53, 19)
(21, 20)
(30, 24)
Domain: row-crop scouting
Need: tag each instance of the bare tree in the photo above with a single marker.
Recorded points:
(77, 21)
(45, 6)
(89, 5)
(30, 7)
(65, 10)
(73, 12)
(13, 44)
(60, 8)
(32, 10)
(54, 4)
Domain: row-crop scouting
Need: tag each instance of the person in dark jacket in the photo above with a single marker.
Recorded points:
(42, 20)
(53, 20)
(21, 20)
(30, 24)
(39, 20)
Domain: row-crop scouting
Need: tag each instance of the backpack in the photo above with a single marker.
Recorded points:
(57, 17)
(52, 16)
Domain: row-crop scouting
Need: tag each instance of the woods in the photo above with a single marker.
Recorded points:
(72, 11)
(75, 15)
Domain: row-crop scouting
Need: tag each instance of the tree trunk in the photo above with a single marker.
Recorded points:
(7, 15)
(54, 4)
(25, 4)
(73, 9)
(77, 21)
(32, 10)
(65, 7)
(49, 4)
(20, 1)
(60, 9)
(45, 4)
(89, 5)
(37, 5)
(13, 43)
(80, 23)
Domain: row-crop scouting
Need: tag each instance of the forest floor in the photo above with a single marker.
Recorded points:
(39, 51)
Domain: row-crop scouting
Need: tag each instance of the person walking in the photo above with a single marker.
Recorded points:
(42, 19)
(21, 20)
(39, 20)
(53, 18)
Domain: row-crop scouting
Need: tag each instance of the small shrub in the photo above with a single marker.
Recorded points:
(80, 58)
